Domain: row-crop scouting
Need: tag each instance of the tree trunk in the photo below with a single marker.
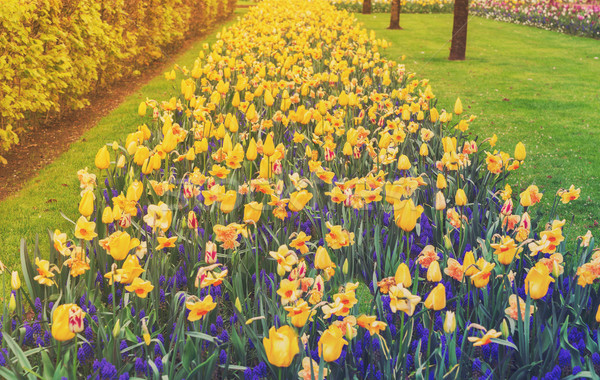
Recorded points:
(366, 7)
(459, 30)
(395, 16)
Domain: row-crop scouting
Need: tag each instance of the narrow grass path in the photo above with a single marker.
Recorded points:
(524, 84)
(36, 208)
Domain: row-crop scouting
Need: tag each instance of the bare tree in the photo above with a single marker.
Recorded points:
(459, 30)
(395, 16)
(366, 7)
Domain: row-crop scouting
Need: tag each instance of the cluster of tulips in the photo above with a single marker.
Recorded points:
(303, 208)
(571, 17)
(408, 6)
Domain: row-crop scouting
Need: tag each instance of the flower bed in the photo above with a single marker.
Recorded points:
(408, 6)
(565, 17)
(304, 208)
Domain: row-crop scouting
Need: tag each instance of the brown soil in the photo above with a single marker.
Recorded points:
(40, 146)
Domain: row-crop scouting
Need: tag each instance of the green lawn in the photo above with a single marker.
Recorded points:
(524, 84)
(36, 208)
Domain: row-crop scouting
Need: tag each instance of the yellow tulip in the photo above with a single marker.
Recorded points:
(141, 154)
(169, 141)
(120, 243)
(537, 281)
(424, 150)
(86, 205)
(298, 200)
(269, 146)
(12, 303)
(322, 259)
(142, 109)
(460, 198)
(440, 201)
(269, 98)
(66, 321)
(440, 182)
(436, 300)
(598, 314)
(102, 160)
(403, 276)
(520, 152)
(406, 214)
(15, 280)
(228, 201)
(135, 191)
(251, 152)
(434, 273)
(252, 211)
(403, 162)
(469, 264)
(281, 346)
(343, 99)
(458, 108)
(450, 322)
(331, 343)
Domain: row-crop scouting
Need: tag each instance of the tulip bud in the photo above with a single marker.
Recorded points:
(86, 205)
(434, 115)
(447, 243)
(458, 108)
(440, 182)
(145, 333)
(424, 150)
(436, 299)
(403, 276)
(251, 152)
(450, 322)
(555, 269)
(520, 152)
(460, 198)
(142, 109)
(434, 274)
(116, 331)
(102, 160)
(440, 201)
(210, 253)
(192, 220)
(504, 329)
(507, 208)
(238, 304)
(345, 267)
(121, 162)
(15, 281)
(598, 315)
(12, 304)
(107, 215)
(269, 98)
(403, 162)
(268, 146)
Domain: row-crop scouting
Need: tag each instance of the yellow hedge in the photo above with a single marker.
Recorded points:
(54, 52)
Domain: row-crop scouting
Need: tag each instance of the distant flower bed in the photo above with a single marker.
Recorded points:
(570, 18)
(408, 6)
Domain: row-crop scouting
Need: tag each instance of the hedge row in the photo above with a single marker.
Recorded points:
(55, 52)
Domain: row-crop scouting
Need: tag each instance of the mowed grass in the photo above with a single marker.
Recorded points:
(37, 207)
(524, 84)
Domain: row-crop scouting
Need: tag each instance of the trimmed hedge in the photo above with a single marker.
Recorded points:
(55, 52)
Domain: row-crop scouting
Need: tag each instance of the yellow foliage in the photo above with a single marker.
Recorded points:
(54, 52)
